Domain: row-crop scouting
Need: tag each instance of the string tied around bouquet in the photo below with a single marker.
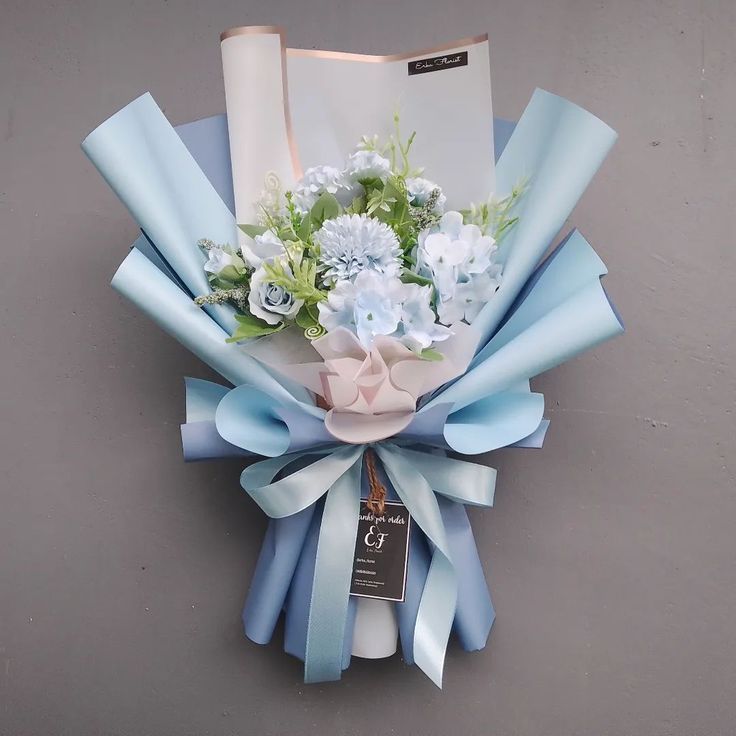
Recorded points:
(377, 491)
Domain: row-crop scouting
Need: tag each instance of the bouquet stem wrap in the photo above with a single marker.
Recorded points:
(416, 476)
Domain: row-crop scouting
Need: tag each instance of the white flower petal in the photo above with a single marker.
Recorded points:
(451, 223)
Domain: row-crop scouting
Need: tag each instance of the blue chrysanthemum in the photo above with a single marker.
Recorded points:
(350, 244)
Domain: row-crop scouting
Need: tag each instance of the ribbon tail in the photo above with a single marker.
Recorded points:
(328, 612)
(416, 574)
(439, 599)
(474, 616)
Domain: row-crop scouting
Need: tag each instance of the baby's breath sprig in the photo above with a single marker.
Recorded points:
(207, 245)
(426, 216)
(237, 296)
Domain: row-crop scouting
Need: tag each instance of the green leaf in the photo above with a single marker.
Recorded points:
(371, 183)
(431, 354)
(409, 277)
(392, 190)
(307, 317)
(305, 228)
(325, 208)
(358, 205)
(250, 326)
(253, 230)
(232, 274)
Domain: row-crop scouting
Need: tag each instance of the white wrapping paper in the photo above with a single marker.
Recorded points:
(289, 109)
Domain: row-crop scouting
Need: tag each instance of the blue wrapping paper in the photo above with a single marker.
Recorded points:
(179, 190)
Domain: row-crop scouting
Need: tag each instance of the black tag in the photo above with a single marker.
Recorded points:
(422, 66)
(381, 552)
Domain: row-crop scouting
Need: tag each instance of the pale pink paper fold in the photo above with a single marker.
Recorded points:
(372, 394)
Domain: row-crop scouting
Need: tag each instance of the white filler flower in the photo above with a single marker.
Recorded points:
(316, 181)
(367, 165)
(350, 244)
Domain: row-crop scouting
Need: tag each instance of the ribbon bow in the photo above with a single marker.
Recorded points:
(416, 477)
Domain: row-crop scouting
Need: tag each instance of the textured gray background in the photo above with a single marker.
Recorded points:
(610, 553)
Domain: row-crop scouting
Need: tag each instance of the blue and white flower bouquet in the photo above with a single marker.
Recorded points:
(367, 320)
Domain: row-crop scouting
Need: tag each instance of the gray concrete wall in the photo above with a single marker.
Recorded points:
(610, 553)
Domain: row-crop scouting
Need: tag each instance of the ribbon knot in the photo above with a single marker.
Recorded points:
(416, 476)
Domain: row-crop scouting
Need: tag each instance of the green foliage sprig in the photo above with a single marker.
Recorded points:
(495, 217)
(298, 278)
(299, 271)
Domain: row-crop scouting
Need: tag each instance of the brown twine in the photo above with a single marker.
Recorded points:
(377, 496)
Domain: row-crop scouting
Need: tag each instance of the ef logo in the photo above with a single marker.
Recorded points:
(374, 538)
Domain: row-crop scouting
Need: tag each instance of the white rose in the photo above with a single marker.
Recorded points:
(270, 302)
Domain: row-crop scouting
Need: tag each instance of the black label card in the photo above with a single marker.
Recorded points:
(448, 61)
(381, 552)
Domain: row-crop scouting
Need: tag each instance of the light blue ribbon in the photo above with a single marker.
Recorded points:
(416, 477)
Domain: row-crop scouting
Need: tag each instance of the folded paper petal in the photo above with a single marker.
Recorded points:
(556, 148)
(536, 438)
(556, 326)
(373, 393)
(172, 310)
(496, 421)
(202, 398)
(202, 441)
(254, 420)
(347, 426)
(148, 166)
(572, 265)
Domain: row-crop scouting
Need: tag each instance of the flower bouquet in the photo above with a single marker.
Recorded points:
(367, 314)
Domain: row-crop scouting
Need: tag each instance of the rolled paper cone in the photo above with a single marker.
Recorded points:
(376, 631)
(256, 96)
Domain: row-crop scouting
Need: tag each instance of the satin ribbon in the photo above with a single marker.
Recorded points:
(416, 476)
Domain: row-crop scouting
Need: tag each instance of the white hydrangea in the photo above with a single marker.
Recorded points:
(373, 305)
(350, 244)
(419, 190)
(316, 181)
(367, 165)
(418, 328)
(459, 260)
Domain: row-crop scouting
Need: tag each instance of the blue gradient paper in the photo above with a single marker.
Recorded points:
(148, 166)
(556, 321)
(556, 148)
(170, 308)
